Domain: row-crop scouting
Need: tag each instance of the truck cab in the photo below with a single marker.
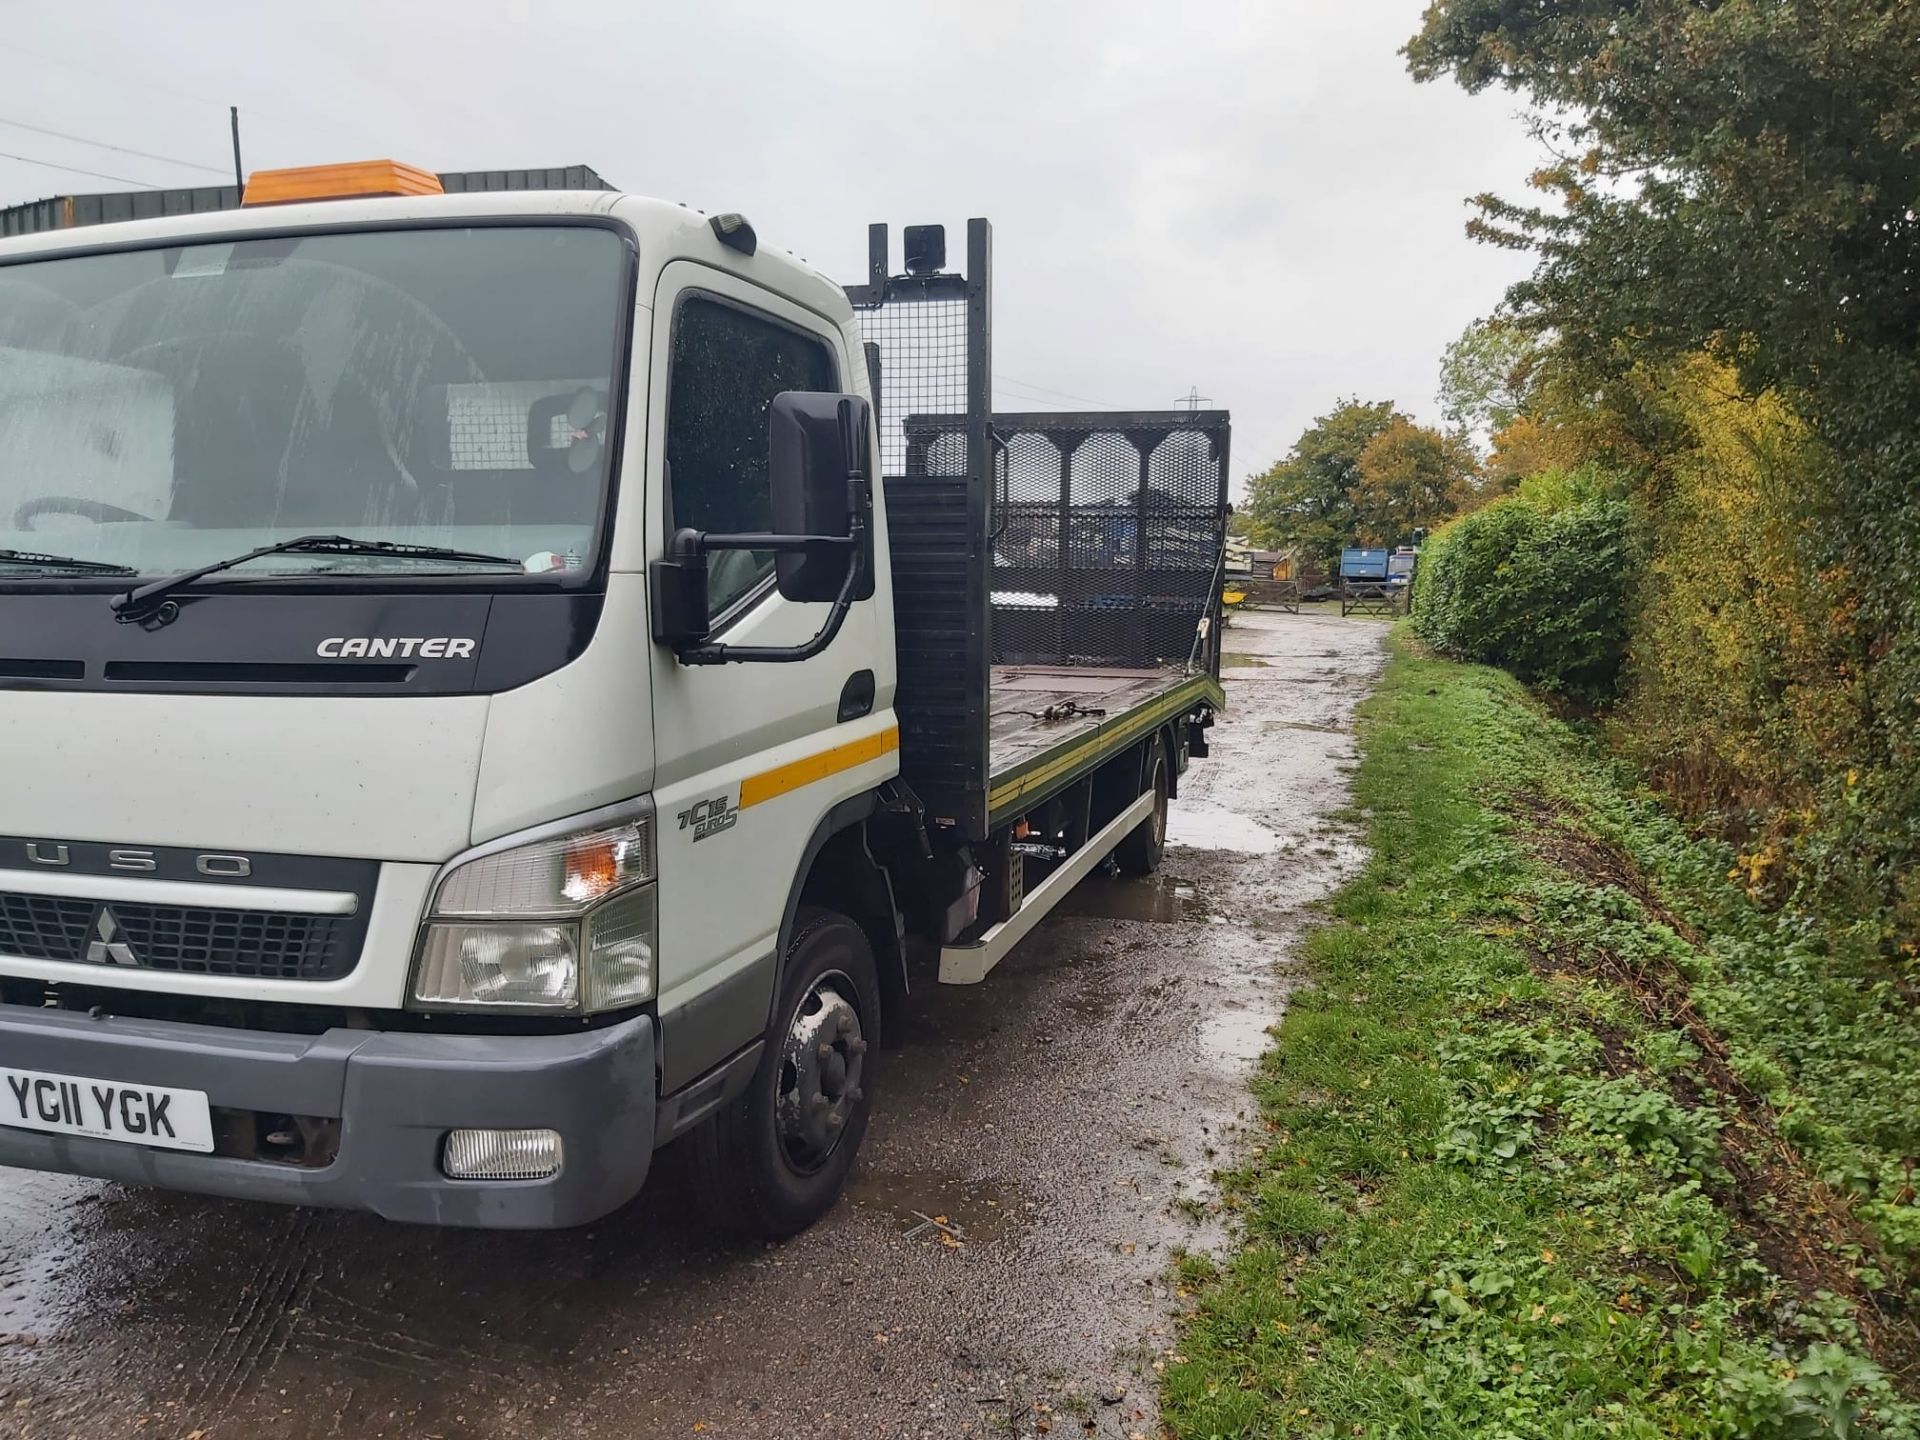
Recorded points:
(448, 740)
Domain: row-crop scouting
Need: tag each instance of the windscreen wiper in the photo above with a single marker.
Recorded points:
(71, 563)
(136, 604)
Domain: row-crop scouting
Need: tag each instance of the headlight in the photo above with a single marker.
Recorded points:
(511, 965)
(562, 918)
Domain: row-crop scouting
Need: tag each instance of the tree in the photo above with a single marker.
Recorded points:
(1526, 446)
(1484, 375)
(1412, 477)
(1305, 503)
(1737, 180)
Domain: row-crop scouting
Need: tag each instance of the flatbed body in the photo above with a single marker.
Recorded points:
(1052, 724)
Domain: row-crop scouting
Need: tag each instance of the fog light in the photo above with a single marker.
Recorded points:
(502, 1154)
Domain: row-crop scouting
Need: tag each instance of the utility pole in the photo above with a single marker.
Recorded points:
(1193, 399)
(239, 178)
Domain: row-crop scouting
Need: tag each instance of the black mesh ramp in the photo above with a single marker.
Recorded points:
(923, 370)
(1107, 535)
(929, 342)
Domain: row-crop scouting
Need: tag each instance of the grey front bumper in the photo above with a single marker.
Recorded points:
(396, 1094)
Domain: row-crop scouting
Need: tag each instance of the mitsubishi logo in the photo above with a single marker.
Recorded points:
(107, 948)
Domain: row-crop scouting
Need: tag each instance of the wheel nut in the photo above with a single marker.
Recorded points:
(845, 1022)
(823, 1050)
(856, 1047)
(835, 1121)
(818, 1102)
(855, 1095)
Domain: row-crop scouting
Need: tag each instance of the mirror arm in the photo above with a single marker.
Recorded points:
(856, 539)
(753, 540)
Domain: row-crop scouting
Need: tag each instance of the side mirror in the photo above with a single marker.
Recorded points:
(822, 542)
(819, 443)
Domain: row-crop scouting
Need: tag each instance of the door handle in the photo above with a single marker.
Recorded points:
(856, 696)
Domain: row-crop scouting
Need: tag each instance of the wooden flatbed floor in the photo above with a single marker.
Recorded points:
(1030, 754)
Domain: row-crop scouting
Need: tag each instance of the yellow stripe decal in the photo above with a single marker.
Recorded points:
(769, 784)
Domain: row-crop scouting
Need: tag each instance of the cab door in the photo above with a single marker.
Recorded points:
(750, 758)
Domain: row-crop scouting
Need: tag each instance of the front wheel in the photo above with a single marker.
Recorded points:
(776, 1159)
(1140, 852)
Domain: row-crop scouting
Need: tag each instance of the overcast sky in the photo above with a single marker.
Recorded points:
(1253, 198)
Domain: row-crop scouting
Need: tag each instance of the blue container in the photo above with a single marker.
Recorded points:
(1363, 564)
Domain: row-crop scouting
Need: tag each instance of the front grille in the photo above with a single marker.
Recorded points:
(253, 944)
(38, 927)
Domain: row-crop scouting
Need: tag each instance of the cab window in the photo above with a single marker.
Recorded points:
(727, 365)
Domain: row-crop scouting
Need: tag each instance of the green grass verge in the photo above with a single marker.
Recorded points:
(1564, 1138)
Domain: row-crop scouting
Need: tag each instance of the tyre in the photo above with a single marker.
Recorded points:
(775, 1160)
(1140, 852)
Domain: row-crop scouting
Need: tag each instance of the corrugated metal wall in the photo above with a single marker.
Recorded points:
(64, 212)
(565, 177)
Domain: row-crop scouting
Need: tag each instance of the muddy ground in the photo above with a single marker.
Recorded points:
(1061, 1120)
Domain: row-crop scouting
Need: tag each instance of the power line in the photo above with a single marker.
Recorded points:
(1019, 400)
(1049, 390)
(1015, 380)
(281, 104)
(117, 78)
(1002, 387)
(104, 145)
(77, 170)
(1013, 400)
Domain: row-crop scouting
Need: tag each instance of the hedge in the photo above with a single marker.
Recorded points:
(1543, 593)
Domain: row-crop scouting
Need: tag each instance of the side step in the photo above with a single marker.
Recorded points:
(968, 964)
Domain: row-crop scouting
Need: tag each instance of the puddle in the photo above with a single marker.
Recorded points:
(1229, 660)
(1155, 897)
(1237, 1037)
(33, 1294)
(970, 1211)
(1200, 826)
(1345, 853)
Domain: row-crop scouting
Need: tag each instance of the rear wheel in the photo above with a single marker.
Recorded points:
(1140, 852)
(776, 1159)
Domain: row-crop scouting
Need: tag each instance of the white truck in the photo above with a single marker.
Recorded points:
(471, 716)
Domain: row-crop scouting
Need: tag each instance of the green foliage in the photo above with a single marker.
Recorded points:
(1733, 231)
(1484, 375)
(1481, 1208)
(1563, 487)
(1305, 503)
(1647, 1122)
(1542, 592)
(1761, 189)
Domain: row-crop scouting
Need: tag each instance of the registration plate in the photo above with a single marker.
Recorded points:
(106, 1110)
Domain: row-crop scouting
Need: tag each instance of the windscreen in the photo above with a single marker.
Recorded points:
(164, 408)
